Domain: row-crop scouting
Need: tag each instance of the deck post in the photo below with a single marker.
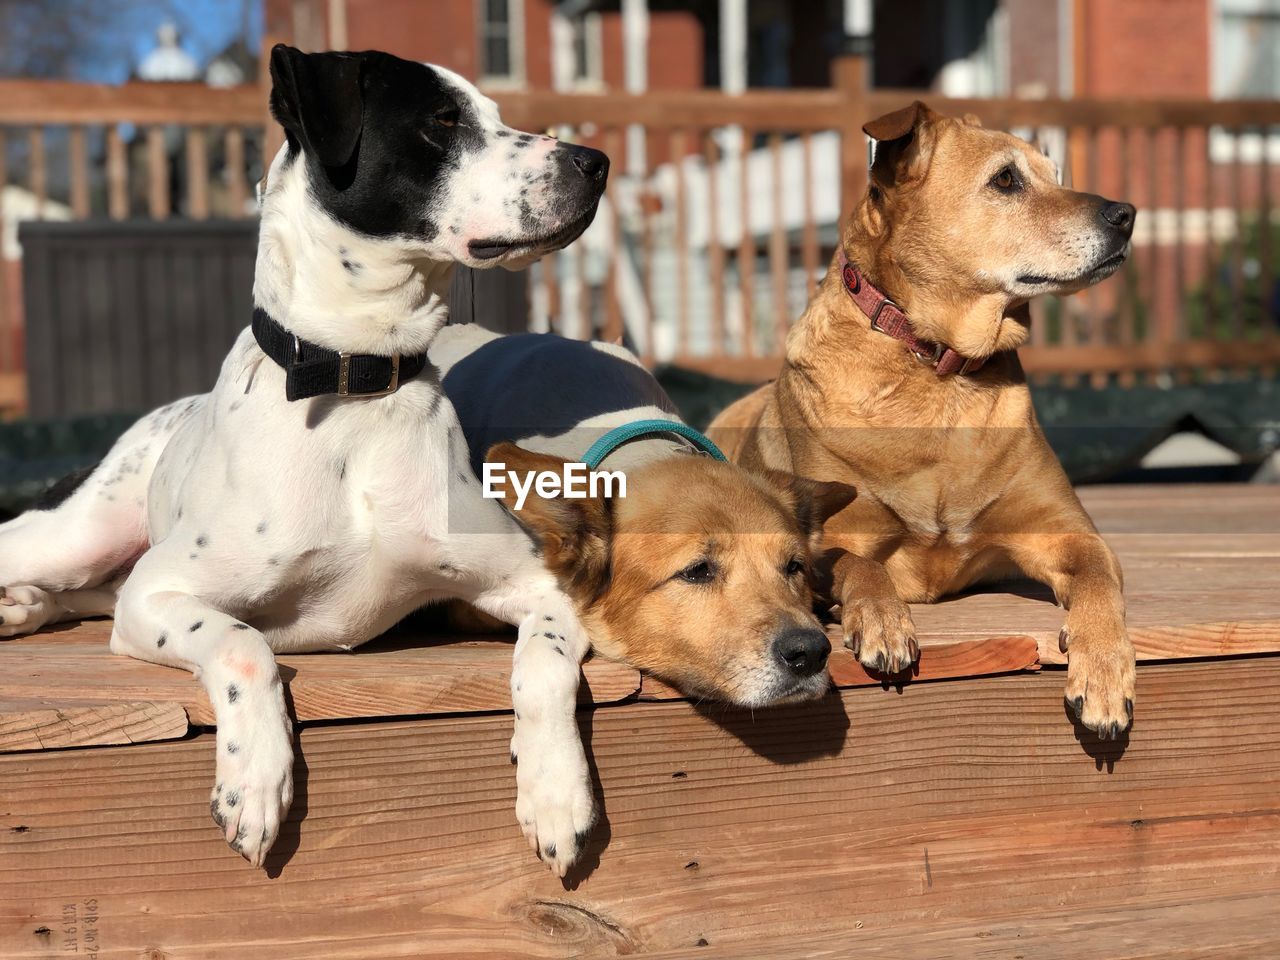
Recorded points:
(850, 79)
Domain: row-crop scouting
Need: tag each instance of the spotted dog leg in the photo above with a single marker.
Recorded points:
(253, 786)
(554, 802)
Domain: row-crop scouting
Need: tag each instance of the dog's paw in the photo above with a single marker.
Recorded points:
(1101, 673)
(254, 784)
(881, 634)
(554, 803)
(23, 610)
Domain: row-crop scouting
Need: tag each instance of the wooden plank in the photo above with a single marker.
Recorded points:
(1036, 360)
(814, 109)
(78, 163)
(37, 168)
(385, 679)
(779, 249)
(157, 175)
(850, 76)
(1088, 112)
(13, 391)
(1236, 324)
(614, 328)
(197, 173)
(940, 658)
(1264, 235)
(57, 102)
(46, 724)
(715, 244)
(1178, 607)
(1201, 509)
(822, 109)
(809, 238)
(746, 249)
(678, 149)
(117, 175)
(8, 309)
(1224, 928)
(1180, 240)
(950, 804)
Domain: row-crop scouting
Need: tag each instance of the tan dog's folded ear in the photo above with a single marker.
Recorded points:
(814, 501)
(899, 123)
(574, 532)
(904, 143)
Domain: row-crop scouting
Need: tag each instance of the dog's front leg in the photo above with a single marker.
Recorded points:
(555, 805)
(253, 786)
(1086, 579)
(877, 625)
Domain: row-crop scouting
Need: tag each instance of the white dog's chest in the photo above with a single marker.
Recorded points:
(338, 508)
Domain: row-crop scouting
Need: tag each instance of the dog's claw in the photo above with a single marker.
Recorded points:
(880, 633)
(1064, 640)
(1077, 704)
(1128, 707)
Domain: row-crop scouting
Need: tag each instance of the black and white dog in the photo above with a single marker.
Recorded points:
(225, 527)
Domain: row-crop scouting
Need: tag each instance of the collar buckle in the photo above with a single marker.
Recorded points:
(875, 316)
(344, 378)
(931, 358)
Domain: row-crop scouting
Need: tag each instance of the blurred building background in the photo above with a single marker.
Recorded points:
(961, 48)
(734, 128)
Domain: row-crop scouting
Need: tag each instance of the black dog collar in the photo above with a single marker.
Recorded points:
(314, 371)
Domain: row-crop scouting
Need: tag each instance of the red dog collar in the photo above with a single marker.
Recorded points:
(889, 318)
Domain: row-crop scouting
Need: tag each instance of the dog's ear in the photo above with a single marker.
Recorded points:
(574, 532)
(899, 123)
(814, 501)
(904, 143)
(317, 98)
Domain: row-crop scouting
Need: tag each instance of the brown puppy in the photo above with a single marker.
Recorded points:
(960, 227)
(699, 575)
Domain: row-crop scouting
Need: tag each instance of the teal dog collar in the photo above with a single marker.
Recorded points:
(616, 437)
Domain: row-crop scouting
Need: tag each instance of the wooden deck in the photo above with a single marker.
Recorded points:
(961, 818)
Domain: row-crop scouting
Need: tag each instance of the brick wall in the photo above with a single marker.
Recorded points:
(1144, 48)
(1034, 47)
(445, 32)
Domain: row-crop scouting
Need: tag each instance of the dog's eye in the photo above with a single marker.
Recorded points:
(795, 567)
(1006, 180)
(448, 117)
(700, 572)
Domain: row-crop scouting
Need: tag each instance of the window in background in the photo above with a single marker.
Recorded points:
(976, 49)
(1246, 66)
(501, 36)
(588, 55)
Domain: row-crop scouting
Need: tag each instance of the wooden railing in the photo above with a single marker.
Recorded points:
(1200, 291)
(722, 214)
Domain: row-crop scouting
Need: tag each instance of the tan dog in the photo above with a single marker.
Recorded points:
(699, 575)
(959, 227)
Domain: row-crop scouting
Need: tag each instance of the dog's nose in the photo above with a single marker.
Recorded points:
(803, 650)
(1120, 216)
(592, 164)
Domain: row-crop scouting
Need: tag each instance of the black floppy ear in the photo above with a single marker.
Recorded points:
(317, 98)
